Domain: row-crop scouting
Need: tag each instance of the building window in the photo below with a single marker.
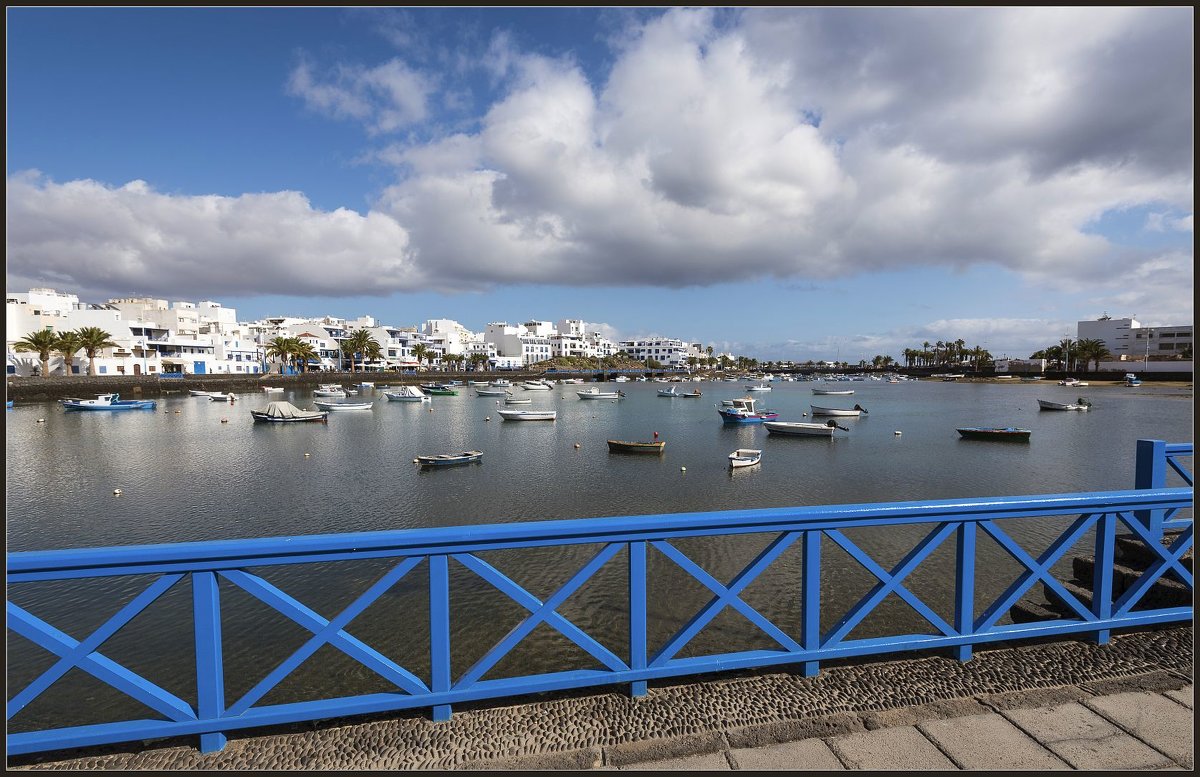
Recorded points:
(103, 369)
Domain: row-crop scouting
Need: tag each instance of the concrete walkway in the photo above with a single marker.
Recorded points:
(1064, 728)
(1052, 705)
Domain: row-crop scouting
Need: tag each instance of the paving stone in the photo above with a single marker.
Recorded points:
(989, 742)
(1160, 722)
(889, 749)
(1084, 739)
(1183, 696)
(647, 750)
(804, 755)
(708, 762)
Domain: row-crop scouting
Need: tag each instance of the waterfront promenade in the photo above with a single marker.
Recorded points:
(1069, 704)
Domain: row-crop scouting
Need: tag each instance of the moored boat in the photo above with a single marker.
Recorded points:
(853, 412)
(490, 392)
(329, 390)
(286, 412)
(1002, 433)
(595, 393)
(744, 457)
(633, 446)
(406, 394)
(108, 402)
(1078, 404)
(450, 459)
(803, 429)
(528, 415)
(518, 401)
(439, 389)
(744, 411)
(824, 392)
(1132, 380)
(339, 406)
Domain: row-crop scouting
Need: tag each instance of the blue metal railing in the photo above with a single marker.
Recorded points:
(808, 529)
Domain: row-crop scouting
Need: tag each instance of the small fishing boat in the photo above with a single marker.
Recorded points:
(439, 389)
(1072, 382)
(273, 389)
(744, 411)
(286, 412)
(343, 405)
(406, 394)
(1002, 433)
(450, 459)
(329, 390)
(107, 402)
(595, 393)
(1132, 380)
(744, 457)
(824, 392)
(217, 396)
(759, 387)
(1078, 404)
(802, 429)
(536, 385)
(668, 392)
(490, 392)
(205, 394)
(518, 401)
(631, 446)
(502, 383)
(853, 412)
(528, 415)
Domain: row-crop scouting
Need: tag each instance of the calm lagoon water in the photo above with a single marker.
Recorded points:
(196, 470)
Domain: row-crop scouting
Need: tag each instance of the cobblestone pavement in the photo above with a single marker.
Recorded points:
(1126, 705)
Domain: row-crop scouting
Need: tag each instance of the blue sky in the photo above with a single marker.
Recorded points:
(782, 183)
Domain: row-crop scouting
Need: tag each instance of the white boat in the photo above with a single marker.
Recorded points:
(528, 415)
(744, 457)
(450, 459)
(205, 394)
(273, 389)
(621, 379)
(1072, 382)
(502, 383)
(343, 405)
(517, 401)
(668, 392)
(759, 387)
(407, 394)
(802, 429)
(217, 396)
(329, 390)
(1132, 380)
(853, 412)
(572, 381)
(490, 392)
(595, 393)
(536, 385)
(824, 392)
(107, 402)
(1078, 404)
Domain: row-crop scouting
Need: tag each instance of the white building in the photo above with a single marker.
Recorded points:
(665, 350)
(516, 346)
(1127, 339)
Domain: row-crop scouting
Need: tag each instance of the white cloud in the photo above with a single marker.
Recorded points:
(788, 143)
(104, 240)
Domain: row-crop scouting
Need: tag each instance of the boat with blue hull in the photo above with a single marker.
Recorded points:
(744, 411)
(108, 402)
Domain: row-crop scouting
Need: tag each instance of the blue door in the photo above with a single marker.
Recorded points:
(198, 368)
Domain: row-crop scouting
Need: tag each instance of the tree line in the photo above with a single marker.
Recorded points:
(46, 342)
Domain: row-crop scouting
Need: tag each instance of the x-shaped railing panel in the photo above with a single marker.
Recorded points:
(1035, 570)
(331, 632)
(539, 612)
(725, 596)
(84, 654)
(1168, 559)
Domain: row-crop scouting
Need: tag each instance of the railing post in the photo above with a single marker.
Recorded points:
(210, 670)
(1102, 572)
(439, 631)
(637, 613)
(1151, 472)
(811, 611)
(964, 603)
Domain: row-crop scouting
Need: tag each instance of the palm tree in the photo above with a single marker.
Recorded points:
(364, 345)
(419, 352)
(281, 348)
(93, 339)
(68, 344)
(302, 352)
(477, 359)
(1090, 350)
(43, 343)
(1065, 345)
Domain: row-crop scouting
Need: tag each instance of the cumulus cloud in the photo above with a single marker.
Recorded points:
(788, 143)
(104, 240)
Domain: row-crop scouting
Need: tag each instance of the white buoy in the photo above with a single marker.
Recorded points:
(307, 455)
(683, 469)
(224, 420)
(576, 445)
(415, 461)
(488, 418)
(41, 420)
(116, 492)
(897, 433)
